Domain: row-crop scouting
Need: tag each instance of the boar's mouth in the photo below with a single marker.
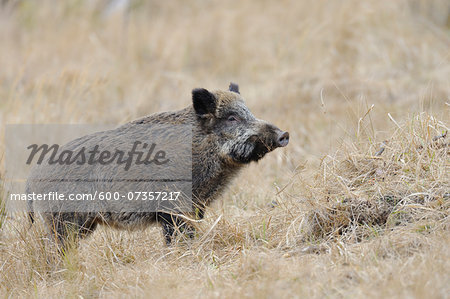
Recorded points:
(253, 149)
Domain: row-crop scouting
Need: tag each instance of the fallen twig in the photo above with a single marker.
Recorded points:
(435, 138)
(381, 150)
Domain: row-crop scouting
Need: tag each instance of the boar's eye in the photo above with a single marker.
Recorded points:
(232, 118)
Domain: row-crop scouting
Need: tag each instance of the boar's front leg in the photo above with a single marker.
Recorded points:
(200, 212)
(172, 224)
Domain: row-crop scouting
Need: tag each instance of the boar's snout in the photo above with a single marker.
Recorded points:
(283, 139)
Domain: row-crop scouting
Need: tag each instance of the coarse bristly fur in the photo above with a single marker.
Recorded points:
(332, 215)
(225, 137)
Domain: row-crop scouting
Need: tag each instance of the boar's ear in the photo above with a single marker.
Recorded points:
(234, 87)
(204, 101)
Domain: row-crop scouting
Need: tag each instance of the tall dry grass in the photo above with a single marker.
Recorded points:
(331, 215)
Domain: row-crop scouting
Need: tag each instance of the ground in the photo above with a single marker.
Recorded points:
(356, 205)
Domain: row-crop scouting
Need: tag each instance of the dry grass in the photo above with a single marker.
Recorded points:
(332, 215)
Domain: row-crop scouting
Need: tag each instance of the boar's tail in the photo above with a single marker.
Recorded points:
(30, 211)
(31, 216)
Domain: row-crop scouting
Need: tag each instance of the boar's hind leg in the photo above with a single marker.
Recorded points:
(67, 227)
(170, 223)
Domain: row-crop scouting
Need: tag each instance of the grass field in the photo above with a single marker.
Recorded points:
(356, 205)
